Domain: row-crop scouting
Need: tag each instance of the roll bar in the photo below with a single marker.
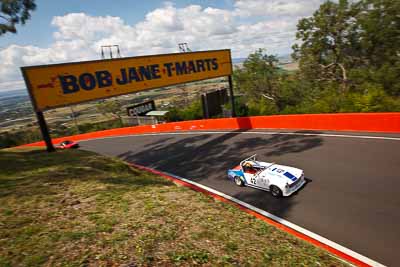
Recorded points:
(251, 158)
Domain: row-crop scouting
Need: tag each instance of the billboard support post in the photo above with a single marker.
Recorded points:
(232, 96)
(39, 115)
(45, 131)
(60, 85)
(204, 105)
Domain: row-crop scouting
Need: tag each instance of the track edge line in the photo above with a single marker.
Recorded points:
(286, 226)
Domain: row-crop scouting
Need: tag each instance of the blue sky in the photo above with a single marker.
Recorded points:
(74, 30)
(38, 30)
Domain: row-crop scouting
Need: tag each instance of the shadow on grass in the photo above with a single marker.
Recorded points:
(34, 172)
(137, 181)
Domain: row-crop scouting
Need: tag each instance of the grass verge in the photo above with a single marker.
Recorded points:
(77, 208)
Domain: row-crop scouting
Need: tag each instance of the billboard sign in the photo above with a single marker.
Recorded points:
(58, 85)
(141, 109)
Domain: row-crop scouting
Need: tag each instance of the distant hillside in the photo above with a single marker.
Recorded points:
(238, 60)
(13, 93)
(284, 59)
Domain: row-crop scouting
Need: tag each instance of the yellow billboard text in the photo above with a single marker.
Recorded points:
(66, 84)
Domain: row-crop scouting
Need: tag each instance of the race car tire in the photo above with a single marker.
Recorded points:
(275, 191)
(238, 181)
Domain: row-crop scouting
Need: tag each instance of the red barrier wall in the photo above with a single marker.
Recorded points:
(359, 122)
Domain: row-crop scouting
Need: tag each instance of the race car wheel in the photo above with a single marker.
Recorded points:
(276, 191)
(238, 181)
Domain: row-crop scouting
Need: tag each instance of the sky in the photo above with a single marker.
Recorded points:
(74, 30)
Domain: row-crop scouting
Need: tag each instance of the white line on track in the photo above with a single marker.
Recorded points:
(254, 132)
(284, 222)
(260, 211)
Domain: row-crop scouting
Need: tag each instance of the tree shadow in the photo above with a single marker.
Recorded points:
(205, 154)
(206, 157)
(160, 143)
(188, 156)
(137, 182)
(20, 161)
(285, 144)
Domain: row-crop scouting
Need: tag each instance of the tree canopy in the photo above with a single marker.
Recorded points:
(349, 61)
(351, 43)
(13, 12)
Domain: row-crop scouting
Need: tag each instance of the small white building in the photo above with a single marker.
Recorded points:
(157, 115)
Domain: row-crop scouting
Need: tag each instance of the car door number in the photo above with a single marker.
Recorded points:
(264, 181)
(253, 180)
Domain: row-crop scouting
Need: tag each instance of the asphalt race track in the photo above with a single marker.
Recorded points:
(353, 193)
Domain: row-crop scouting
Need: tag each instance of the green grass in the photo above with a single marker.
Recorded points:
(76, 208)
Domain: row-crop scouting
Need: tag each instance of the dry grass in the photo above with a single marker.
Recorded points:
(76, 208)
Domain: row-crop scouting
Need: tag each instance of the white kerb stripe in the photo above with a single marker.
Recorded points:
(284, 222)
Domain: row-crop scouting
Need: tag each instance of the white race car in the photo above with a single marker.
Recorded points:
(280, 180)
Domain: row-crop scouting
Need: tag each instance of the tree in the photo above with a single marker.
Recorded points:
(379, 35)
(268, 89)
(379, 30)
(193, 111)
(13, 12)
(259, 77)
(329, 44)
(346, 44)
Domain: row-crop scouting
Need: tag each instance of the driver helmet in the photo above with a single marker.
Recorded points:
(248, 164)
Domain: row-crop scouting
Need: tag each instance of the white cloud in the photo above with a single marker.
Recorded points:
(163, 19)
(80, 26)
(207, 22)
(276, 8)
(13, 85)
(249, 25)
